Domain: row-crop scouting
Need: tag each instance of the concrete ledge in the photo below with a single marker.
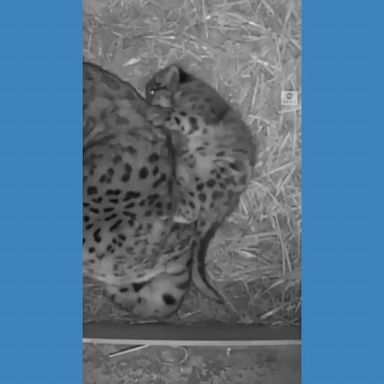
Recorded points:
(190, 335)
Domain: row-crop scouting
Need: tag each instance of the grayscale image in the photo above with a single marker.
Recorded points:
(192, 190)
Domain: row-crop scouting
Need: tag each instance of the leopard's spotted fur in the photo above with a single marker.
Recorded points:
(128, 186)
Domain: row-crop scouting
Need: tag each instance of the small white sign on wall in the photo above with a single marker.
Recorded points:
(289, 98)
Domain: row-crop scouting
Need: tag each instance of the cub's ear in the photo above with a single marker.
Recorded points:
(172, 77)
(185, 77)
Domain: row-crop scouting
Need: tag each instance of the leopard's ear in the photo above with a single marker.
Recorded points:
(172, 77)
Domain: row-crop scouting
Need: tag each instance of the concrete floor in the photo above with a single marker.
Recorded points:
(192, 365)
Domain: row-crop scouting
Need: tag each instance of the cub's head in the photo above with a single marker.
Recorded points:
(164, 84)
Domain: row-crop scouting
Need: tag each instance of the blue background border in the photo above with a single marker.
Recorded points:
(41, 192)
(40, 138)
(343, 192)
